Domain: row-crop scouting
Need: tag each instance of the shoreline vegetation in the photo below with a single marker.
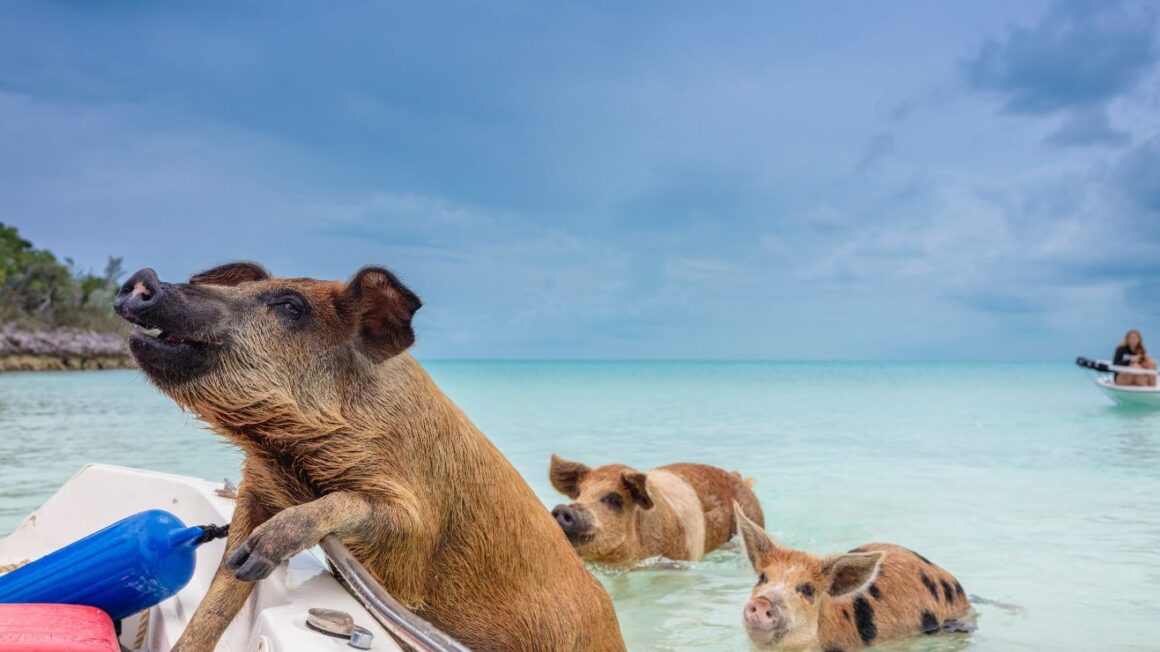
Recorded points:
(55, 316)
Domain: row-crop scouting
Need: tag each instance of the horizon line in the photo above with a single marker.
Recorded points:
(755, 360)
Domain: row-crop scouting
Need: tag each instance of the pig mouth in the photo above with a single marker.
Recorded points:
(765, 638)
(167, 355)
(158, 338)
(580, 538)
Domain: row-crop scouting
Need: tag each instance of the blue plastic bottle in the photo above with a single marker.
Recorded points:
(125, 568)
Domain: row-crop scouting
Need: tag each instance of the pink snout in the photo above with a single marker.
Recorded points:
(762, 615)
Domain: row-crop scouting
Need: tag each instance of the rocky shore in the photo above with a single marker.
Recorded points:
(61, 349)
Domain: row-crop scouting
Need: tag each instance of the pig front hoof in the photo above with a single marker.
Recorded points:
(250, 566)
(273, 542)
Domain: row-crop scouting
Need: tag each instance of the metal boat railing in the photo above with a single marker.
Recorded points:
(391, 614)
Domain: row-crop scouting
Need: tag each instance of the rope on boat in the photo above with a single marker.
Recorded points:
(211, 532)
(142, 630)
(8, 568)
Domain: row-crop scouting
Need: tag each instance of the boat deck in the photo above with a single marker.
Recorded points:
(273, 619)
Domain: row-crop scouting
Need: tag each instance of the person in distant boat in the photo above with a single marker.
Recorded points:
(1131, 353)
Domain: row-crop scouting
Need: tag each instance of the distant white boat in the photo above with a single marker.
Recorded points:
(274, 618)
(1126, 395)
(1133, 395)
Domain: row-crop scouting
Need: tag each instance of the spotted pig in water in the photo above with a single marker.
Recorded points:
(873, 594)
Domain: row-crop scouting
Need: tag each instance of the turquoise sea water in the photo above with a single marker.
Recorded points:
(1021, 479)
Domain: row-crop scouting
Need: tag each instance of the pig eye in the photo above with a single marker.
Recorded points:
(807, 590)
(762, 579)
(614, 501)
(289, 307)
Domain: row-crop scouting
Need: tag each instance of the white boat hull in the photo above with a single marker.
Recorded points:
(274, 618)
(1130, 395)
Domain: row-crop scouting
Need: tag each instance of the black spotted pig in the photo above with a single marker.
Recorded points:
(621, 515)
(875, 593)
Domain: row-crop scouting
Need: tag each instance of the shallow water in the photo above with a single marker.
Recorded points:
(1019, 478)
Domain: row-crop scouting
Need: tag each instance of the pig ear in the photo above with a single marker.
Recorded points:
(758, 543)
(566, 476)
(637, 488)
(231, 274)
(850, 572)
(382, 308)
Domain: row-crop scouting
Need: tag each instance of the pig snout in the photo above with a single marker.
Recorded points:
(566, 516)
(762, 615)
(573, 522)
(138, 295)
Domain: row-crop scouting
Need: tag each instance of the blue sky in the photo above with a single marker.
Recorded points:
(589, 180)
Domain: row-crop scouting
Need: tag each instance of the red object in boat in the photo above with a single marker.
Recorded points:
(55, 628)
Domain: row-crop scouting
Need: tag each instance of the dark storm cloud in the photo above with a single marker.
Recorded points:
(1138, 175)
(1088, 127)
(1081, 54)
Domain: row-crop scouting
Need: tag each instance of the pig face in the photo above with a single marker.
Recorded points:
(601, 522)
(793, 587)
(235, 339)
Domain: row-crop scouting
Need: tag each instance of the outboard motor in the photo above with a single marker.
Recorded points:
(1094, 365)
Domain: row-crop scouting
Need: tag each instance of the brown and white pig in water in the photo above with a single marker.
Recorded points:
(873, 594)
(620, 515)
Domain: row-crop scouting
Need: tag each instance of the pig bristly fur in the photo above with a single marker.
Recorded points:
(343, 432)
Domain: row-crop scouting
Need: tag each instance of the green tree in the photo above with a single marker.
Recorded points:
(39, 291)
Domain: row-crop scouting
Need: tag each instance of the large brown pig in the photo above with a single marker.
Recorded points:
(344, 433)
(873, 594)
(620, 516)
